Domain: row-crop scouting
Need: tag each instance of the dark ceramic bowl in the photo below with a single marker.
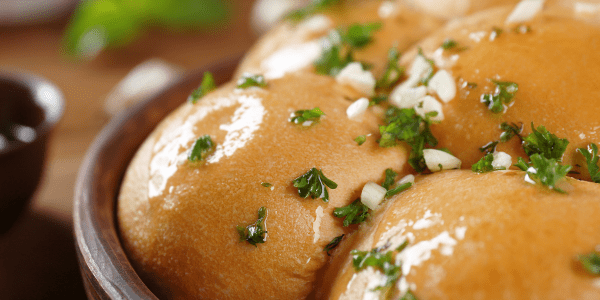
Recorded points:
(30, 107)
(106, 271)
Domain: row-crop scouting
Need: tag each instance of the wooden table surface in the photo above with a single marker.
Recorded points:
(37, 257)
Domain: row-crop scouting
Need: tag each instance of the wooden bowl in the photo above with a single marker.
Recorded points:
(106, 271)
(30, 107)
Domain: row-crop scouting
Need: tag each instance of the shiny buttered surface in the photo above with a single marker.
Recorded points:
(481, 236)
(297, 179)
(178, 218)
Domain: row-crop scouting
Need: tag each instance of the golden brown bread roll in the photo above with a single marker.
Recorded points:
(480, 236)
(178, 219)
(293, 46)
(549, 57)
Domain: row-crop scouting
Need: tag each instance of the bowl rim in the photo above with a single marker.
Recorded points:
(105, 266)
(45, 95)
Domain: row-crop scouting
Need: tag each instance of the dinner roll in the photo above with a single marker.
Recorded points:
(296, 44)
(479, 236)
(178, 218)
(544, 49)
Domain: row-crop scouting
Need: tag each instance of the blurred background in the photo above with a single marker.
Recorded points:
(104, 55)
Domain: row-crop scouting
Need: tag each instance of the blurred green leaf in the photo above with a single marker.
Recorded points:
(100, 24)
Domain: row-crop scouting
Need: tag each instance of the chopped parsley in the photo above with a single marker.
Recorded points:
(208, 84)
(314, 184)
(266, 184)
(425, 80)
(472, 85)
(361, 139)
(522, 29)
(382, 261)
(409, 296)
(502, 96)
(254, 233)
(484, 164)
(353, 213)
(314, 7)
(375, 100)
(390, 177)
(201, 148)
(449, 44)
(393, 72)
(333, 244)
(406, 125)
(358, 36)
(497, 31)
(545, 143)
(398, 189)
(591, 158)
(248, 80)
(508, 132)
(590, 262)
(301, 116)
(547, 171)
(341, 44)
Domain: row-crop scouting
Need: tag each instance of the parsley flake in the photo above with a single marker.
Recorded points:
(333, 244)
(590, 262)
(208, 84)
(390, 176)
(545, 143)
(449, 44)
(406, 125)
(545, 170)
(522, 29)
(591, 158)
(266, 184)
(484, 164)
(314, 7)
(353, 213)
(508, 132)
(301, 116)
(393, 72)
(203, 147)
(338, 51)
(248, 80)
(409, 296)
(472, 85)
(425, 80)
(382, 261)
(502, 96)
(254, 233)
(361, 139)
(314, 184)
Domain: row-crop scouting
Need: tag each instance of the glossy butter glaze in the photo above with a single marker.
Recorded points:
(178, 219)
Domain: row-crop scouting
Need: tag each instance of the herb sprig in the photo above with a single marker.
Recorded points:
(314, 7)
(341, 44)
(255, 232)
(547, 171)
(203, 147)
(407, 126)
(591, 157)
(393, 72)
(333, 244)
(590, 262)
(502, 96)
(484, 164)
(353, 213)
(382, 261)
(301, 116)
(249, 80)
(508, 132)
(314, 184)
(208, 84)
(540, 141)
